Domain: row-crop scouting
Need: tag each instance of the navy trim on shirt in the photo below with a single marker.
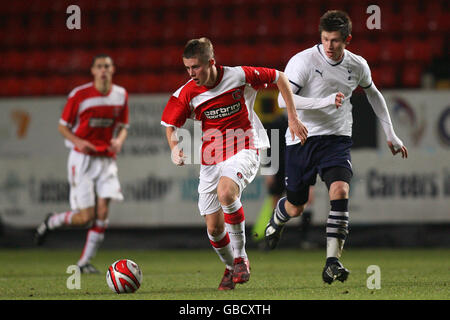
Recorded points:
(367, 86)
(299, 87)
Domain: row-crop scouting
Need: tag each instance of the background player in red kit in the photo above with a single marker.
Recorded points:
(94, 124)
(222, 98)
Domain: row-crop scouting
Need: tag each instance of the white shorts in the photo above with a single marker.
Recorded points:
(241, 168)
(90, 177)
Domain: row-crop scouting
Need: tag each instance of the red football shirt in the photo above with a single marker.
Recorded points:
(229, 123)
(94, 117)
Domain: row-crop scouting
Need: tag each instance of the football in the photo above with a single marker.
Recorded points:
(124, 276)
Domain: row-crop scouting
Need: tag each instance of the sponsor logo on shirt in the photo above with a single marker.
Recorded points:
(100, 122)
(223, 112)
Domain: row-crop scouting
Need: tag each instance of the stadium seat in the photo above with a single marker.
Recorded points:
(172, 81)
(289, 49)
(369, 50)
(269, 55)
(150, 57)
(127, 80)
(56, 85)
(36, 61)
(171, 57)
(34, 86)
(149, 83)
(126, 59)
(174, 31)
(58, 61)
(414, 24)
(412, 76)
(384, 76)
(418, 50)
(80, 60)
(245, 54)
(13, 61)
(219, 30)
(392, 51)
(150, 32)
(225, 54)
(289, 27)
(11, 86)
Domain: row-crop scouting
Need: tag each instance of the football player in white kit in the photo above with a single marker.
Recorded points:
(94, 124)
(222, 98)
(318, 72)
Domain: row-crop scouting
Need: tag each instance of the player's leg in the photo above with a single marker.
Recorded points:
(107, 188)
(290, 206)
(228, 194)
(300, 174)
(82, 199)
(237, 172)
(220, 241)
(209, 207)
(305, 224)
(95, 236)
(337, 180)
(275, 190)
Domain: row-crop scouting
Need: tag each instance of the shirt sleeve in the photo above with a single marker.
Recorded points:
(69, 114)
(297, 73)
(259, 77)
(175, 113)
(365, 80)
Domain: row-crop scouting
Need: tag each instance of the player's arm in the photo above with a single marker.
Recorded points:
(81, 144)
(174, 116)
(296, 127)
(379, 106)
(176, 153)
(118, 141)
(122, 129)
(303, 103)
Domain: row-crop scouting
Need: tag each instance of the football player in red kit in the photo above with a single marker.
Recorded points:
(94, 124)
(222, 98)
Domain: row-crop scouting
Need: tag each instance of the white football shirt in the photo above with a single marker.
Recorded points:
(312, 74)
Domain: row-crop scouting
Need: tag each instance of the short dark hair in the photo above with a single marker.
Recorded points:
(336, 20)
(201, 48)
(100, 56)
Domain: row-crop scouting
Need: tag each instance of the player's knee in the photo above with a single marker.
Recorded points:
(215, 230)
(339, 190)
(227, 191)
(84, 218)
(294, 210)
(226, 195)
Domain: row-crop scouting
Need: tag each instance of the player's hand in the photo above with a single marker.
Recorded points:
(297, 128)
(339, 99)
(85, 146)
(178, 157)
(116, 145)
(398, 148)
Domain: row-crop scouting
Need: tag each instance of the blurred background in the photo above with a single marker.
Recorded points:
(394, 202)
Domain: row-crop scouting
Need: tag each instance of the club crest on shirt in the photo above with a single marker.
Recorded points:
(239, 175)
(237, 94)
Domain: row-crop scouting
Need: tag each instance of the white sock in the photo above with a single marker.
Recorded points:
(221, 244)
(61, 219)
(94, 239)
(235, 225)
(337, 228)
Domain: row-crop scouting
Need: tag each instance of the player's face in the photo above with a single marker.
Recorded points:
(333, 44)
(199, 71)
(103, 69)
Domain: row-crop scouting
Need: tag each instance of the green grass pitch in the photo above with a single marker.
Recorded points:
(40, 274)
